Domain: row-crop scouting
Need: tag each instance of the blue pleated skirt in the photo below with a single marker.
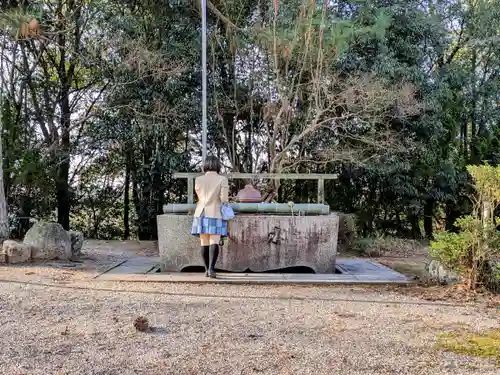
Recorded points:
(209, 225)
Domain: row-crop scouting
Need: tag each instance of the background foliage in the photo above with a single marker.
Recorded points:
(102, 105)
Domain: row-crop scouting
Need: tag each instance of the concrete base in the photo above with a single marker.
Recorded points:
(354, 271)
(256, 242)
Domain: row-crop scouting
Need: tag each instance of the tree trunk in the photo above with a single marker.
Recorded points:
(62, 191)
(126, 197)
(65, 72)
(280, 193)
(157, 197)
(142, 192)
(474, 150)
(26, 206)
(428, 215)
(415, 227)
(452, 214)
(465, 139)
(62, 179)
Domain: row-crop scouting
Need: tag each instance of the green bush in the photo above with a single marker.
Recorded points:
(365, 246)
(472, 252)
(451, 249)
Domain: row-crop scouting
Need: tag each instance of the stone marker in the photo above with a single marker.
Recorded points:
(16, 252)
(436, 272)
(50, 240)
(76, 242)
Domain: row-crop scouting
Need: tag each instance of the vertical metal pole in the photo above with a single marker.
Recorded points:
(204, 78)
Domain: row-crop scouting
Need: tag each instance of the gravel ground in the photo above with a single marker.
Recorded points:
(57, 321)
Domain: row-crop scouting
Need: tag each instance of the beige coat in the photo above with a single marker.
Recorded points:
(212, 190)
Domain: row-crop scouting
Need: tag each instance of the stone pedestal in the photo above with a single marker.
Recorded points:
(256, 242)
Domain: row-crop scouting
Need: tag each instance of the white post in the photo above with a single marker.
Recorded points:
(204, 79)
(4, 219)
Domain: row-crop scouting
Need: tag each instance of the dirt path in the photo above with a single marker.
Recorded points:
(58, 321)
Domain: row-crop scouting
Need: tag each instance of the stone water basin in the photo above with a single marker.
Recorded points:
(262, 237)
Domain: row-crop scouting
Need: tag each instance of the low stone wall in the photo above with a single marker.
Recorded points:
(256, 242)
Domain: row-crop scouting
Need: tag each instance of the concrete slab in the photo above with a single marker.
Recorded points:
(316, 277)
(231, 278)
(368, 270)
(134, 265)
(360, 266)
(357, 271)
(184, 277)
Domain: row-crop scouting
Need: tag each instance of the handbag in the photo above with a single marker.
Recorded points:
(227, 212)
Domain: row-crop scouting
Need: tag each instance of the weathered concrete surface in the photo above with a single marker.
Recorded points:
(354, 271)
(256, 242)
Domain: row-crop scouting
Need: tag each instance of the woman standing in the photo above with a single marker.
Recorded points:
(212, 191)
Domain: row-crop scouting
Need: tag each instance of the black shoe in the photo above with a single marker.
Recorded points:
(205, 254)
(213, 254)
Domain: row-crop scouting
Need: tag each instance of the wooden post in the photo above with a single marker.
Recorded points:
(321, 191)
(190, 190)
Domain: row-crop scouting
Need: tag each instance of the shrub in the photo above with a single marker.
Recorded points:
(472, 252)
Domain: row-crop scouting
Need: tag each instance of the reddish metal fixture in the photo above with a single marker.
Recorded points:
(249, 194)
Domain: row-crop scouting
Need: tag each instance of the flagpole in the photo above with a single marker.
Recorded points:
(204, 79)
